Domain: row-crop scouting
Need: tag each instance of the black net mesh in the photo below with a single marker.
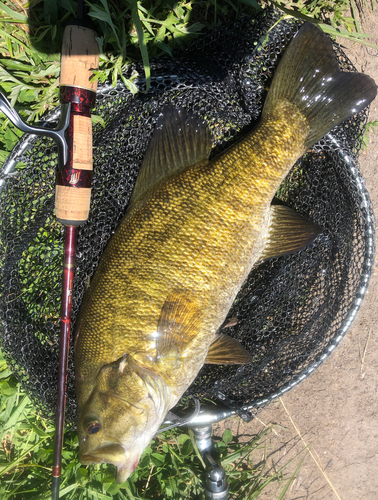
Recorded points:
(291, 312)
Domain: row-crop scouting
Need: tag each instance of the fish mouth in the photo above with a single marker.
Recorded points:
(113, 454)
(124, 471)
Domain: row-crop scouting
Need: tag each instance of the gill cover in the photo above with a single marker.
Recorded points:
(124, 411)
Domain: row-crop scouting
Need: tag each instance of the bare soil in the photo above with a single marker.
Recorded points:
(335, 410)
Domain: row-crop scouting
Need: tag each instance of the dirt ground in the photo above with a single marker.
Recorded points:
(335, 410)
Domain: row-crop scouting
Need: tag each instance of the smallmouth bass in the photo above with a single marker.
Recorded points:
(193, 231)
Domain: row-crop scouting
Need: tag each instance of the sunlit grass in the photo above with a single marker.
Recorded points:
(31, 35)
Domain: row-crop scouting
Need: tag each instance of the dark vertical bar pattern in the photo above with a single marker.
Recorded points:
(65, 327)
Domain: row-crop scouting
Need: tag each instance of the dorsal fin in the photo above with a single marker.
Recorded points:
(288, 232)
(180, 140)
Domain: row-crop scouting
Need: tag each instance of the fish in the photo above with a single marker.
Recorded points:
(193, 230)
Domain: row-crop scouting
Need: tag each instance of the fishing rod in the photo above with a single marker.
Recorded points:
(73, 135)
(80, 56)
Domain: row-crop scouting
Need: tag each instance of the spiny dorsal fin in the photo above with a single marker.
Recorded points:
(227, 351)
(180, 140)
(288, 232)
(309, 77)
(179, 321)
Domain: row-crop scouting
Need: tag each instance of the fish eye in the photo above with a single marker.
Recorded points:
(93, 428)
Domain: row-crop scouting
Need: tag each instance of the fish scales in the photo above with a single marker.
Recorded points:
(206, 249)
(192, 233)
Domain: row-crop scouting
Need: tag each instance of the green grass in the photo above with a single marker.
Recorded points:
(371, 127)
(129, 31)
(31, 35)
(331, 16)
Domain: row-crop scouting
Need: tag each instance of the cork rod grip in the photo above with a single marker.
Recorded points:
(79, 57)
(72, 204)
(72, 200)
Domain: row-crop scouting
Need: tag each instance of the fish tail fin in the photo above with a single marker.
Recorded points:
(309, 77)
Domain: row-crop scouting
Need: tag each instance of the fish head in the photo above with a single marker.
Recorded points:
(126, 407)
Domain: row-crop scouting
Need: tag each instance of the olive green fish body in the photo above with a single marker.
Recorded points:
(200, 232)
(193, 231)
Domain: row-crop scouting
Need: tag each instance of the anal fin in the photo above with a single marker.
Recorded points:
(288, 232)
(227, 351)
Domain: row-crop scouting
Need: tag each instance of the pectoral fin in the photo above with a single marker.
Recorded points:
(288, 232)
(180, 140)
(179, 322)
(227, 351)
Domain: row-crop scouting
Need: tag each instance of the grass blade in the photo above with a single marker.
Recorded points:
(15, 16)
(16, 414)
(142, 44)
(250, 446)
(291, 479)
(354, 14)
(14, 464)
(354, 37)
